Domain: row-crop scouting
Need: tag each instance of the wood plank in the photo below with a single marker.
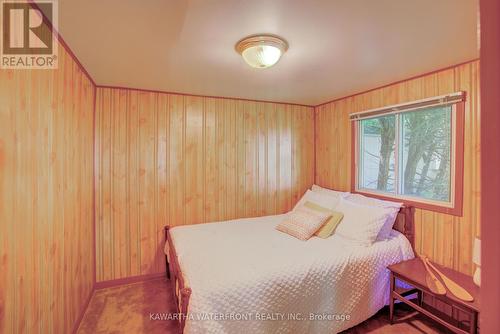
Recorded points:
(195, 122)
(222, 143)
(119, 182)
(147, 180)
(272, 160)
(262, 163)
(133, 174)
(210, 154)
(285, 158)
(231, 160)
(250, 156)
(162, 178)
(177, 170)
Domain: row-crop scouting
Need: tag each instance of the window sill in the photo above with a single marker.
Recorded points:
(456, 210)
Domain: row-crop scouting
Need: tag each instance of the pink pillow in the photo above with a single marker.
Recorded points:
(303, 222)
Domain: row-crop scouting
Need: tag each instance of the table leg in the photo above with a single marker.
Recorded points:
(473, 323)
(167, 267)
(391, 302)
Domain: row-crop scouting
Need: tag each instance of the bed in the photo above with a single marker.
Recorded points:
(242, 276)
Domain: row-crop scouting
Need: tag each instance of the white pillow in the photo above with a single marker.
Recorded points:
(330, 192)
(361, 223)
(328, 202)
(385, 232)
(365, 200)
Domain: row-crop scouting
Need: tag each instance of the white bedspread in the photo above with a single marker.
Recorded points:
(246, 277)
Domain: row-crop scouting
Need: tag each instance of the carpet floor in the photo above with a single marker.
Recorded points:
(127, 309)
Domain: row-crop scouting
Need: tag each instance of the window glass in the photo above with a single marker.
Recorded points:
(426, 150)
(377, 153)
(407, 154)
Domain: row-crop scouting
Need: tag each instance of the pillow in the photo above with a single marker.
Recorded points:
(365, 200)
(303, 222)
(331, 223)
(328, 202)
(385, 232)
(330, 192)
(361, 223)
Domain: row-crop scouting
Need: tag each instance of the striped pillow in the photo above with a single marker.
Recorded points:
(303, 222)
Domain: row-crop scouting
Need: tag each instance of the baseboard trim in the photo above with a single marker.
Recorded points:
(82, 312)
(127, 280)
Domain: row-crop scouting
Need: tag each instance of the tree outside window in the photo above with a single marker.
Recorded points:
(408, 153)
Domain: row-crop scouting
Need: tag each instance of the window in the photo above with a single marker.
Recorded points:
(411, 154)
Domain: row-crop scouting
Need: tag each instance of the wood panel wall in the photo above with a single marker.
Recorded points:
(446, 239)
(174, 159)
(46, 197)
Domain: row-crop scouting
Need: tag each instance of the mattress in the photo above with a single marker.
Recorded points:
(246, 277)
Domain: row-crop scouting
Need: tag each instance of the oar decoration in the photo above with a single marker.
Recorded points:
(454, 288)
(432, 281)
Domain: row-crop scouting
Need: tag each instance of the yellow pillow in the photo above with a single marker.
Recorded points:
(331, 224)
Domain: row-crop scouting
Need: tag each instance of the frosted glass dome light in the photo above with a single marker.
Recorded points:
(261, 51)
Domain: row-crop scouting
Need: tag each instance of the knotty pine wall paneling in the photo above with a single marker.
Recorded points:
(444, 238)
(168, 159)
(46, 197)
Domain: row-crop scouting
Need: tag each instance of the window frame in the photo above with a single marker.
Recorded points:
(455, 206)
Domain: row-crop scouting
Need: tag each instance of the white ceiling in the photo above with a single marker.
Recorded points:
(337, 47)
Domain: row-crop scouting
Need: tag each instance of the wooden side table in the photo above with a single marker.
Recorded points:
(413, 273)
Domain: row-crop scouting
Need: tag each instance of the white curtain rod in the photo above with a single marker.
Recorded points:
(414, 105)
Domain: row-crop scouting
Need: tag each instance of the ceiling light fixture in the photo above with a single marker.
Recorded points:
(261, 51)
